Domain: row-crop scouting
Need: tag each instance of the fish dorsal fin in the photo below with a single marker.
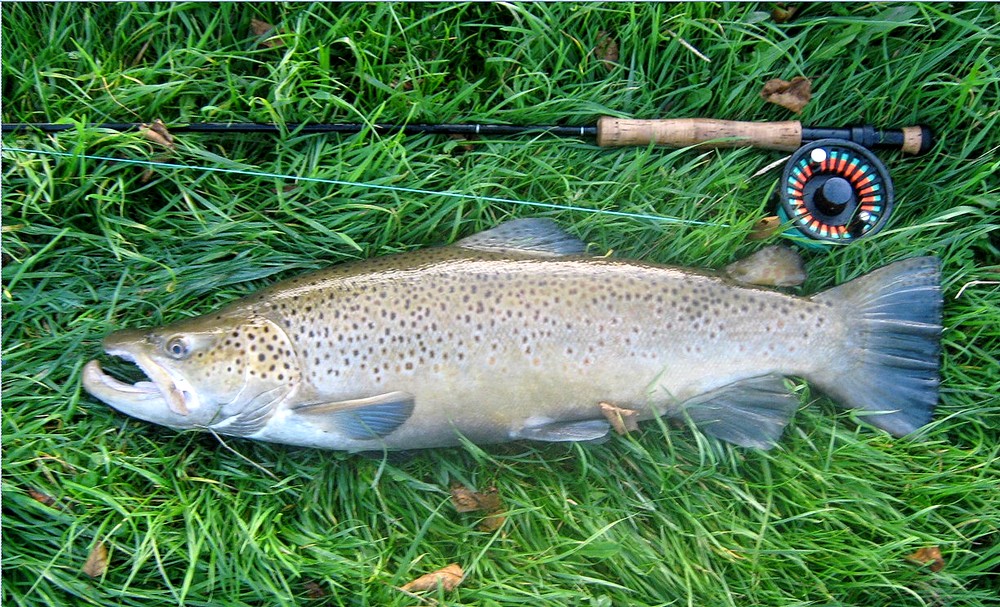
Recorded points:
(751, 413)
(534, 236)
(773, 266)
(361, 418)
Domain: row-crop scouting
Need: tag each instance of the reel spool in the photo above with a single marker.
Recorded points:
(835, 191)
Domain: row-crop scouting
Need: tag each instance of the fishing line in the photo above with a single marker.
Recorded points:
(374, 186)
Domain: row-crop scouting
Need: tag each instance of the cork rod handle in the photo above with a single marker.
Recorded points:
(681, 132)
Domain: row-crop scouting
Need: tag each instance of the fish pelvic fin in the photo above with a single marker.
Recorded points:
(892, 366)
(560, 432)
(752, 412)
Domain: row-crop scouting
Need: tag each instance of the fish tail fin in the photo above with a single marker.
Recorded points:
(892, 360)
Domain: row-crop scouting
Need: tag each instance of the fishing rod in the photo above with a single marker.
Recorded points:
(833, 189)
(608, 132)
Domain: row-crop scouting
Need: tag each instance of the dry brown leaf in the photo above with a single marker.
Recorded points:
(157, 132)
(467, 500)
(465, 142)
(265, 30)
(783, 13)
(622, 420)
(606, 50)
(448, 577)
(38, 496)
(772, 266)
(765, 228)
(491, 523)
(141, 53)
(97, 561)
(931, 554)
(488, 502)
(792, 95)
(260, 28)
(314, 590)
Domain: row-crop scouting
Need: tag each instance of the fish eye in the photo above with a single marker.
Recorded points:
(177, 347)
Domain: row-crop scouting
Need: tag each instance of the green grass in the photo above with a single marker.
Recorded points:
(665, 517)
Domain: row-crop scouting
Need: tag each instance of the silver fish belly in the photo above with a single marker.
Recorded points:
(515, 334)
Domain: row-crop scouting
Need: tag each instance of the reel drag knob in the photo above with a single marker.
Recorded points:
(835, 191)
(834, 196)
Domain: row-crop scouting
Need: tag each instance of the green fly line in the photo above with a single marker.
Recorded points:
(374, 186)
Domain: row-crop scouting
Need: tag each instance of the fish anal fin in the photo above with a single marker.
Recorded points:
(751, 412)
(561, 432)
(363, 418)
(533, 236)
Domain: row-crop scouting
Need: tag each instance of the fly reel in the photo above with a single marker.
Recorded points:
(835, 191)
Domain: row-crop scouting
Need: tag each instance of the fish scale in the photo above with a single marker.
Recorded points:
(514, 333)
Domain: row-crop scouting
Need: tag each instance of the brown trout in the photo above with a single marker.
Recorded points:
(515, 333)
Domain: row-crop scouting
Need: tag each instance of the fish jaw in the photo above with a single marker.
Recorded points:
(120, 395)
(162, 400)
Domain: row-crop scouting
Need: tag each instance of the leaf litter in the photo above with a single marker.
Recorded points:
(97, 561)
(488, 503)
(448, 577)
(266, 33)
(622, 420)
(791, 94)
(929, 554)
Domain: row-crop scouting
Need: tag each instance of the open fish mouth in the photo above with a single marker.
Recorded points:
(143, 399)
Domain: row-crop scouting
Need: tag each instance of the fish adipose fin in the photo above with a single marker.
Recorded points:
(559, 432)
(362, 418)
(892, 366)
(751, 412)
(535, 236)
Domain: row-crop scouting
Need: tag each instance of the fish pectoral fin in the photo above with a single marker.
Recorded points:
(751, 412)
(362, 418)
(533, 236)
(561, 432)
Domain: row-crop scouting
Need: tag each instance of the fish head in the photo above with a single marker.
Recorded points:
(214, 371)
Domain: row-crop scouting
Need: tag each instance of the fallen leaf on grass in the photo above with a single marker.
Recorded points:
(463, 143)
(793, 95)
(314, 590)
(764, 228)
(44, 498)
(783, 13)
(265, 31)
(931, 554)
(141, 53)
(622, 420)
(157, 132)
(606, 50)
(489, 503)
(448, 577)
(773, 266)
(97, 561)
(467, 500)
(492, 522)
